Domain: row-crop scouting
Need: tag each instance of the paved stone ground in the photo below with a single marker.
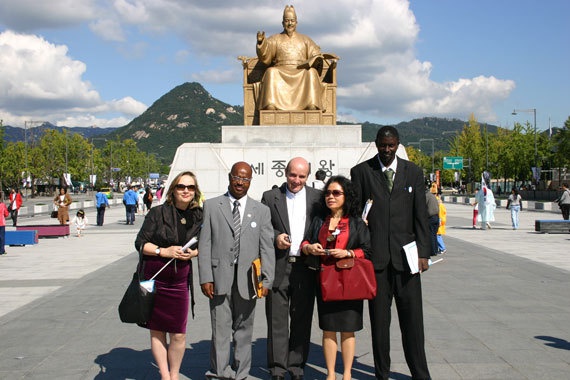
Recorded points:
(496, 307)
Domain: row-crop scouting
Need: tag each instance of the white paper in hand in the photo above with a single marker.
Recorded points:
(367, 207)
(192, 241)
(148, 285)
(411, 250)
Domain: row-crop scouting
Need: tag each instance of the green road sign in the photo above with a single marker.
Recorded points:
(455, 163)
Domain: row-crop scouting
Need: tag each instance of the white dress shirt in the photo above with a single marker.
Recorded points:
(297, 213)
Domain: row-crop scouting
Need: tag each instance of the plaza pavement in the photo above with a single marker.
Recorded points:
(496, 307)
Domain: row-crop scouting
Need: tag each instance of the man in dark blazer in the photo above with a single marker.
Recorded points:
(397, 217)
(226, 251)
(293, 294)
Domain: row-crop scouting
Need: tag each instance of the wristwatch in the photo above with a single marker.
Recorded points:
(157, 251)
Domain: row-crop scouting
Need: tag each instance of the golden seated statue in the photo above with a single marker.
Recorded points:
(290, 81)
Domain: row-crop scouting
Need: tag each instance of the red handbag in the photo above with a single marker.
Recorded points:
(347, 279)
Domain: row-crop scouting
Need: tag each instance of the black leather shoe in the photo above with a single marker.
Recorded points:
(277, 377)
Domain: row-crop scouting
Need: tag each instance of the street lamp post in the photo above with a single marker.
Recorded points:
(533, 110)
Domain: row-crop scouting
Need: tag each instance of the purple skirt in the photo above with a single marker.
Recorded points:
(170, 313)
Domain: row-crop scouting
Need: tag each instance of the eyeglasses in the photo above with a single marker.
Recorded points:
(238, 179)
(334, 193)
(182, 186)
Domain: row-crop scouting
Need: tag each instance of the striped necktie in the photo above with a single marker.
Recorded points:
(237, 230)
(389, 173)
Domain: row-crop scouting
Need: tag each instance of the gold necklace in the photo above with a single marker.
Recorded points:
(182, 218)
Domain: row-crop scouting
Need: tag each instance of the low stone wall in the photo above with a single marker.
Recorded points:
(44, 209)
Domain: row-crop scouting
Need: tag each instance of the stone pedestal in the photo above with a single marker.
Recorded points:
(333, 148)
(272, 118)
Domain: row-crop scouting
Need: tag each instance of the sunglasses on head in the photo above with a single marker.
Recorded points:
(181, 186)
(334, 193)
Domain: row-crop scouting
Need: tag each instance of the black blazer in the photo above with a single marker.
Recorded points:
(276, 200)
(396, 218)
(160, 227)
(358, 237)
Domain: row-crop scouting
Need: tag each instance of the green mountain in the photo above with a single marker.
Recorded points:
(187, 113)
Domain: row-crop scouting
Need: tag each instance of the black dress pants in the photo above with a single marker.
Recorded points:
(406, 289)
(289, 312)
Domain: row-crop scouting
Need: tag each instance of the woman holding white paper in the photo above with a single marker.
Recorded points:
(165, 232)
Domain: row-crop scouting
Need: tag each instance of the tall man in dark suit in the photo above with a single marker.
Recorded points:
(293, 294)
(236, 230)
(398, 216)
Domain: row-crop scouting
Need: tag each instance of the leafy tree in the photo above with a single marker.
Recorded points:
(419, 158)
(471, 147)
(561, 146)
(11, 164)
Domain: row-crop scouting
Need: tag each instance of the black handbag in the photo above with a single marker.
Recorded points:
(138, 301)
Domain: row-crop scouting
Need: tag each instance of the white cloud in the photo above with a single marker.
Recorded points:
(128, 106)
(38, 74)
(133, 12)
(108, 29)
(89, 120)
(39, 80)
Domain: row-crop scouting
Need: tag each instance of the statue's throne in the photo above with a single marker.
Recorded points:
(253, 71)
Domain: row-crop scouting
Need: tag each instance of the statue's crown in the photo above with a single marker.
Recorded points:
(289, 10)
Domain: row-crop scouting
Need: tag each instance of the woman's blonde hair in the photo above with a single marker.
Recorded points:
(197, 194)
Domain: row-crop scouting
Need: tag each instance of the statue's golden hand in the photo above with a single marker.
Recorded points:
(260, 37)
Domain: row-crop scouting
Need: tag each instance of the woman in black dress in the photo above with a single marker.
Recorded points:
(166, 229)
(338, 235)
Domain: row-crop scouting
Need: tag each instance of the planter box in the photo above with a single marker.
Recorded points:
(559, 226)
(47, 230)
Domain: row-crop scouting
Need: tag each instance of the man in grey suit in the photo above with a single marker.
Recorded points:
(293, 294)
(236, 230)
(398, 216)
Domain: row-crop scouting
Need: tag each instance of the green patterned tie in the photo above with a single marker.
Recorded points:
(389, 173)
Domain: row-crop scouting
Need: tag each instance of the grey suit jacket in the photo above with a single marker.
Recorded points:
(276, 200)
(396, 218)
(215, 258)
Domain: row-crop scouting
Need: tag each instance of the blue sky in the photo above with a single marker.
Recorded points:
(103, 62)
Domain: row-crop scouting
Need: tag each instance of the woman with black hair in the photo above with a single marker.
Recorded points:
(337, 235)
